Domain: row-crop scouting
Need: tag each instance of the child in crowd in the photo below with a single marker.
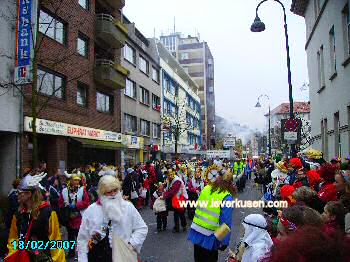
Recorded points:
(159, 208)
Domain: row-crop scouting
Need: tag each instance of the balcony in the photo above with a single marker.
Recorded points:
(111, 31)
(109, 74)
(114, 4)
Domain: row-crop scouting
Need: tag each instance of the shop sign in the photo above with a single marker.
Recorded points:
(25, 36)
(62, 129)
(220, 153)
(133, 142)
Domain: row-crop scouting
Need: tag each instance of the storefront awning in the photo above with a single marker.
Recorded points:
(99, 144)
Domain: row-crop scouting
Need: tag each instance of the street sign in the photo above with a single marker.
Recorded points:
(291, 130)
(229, 142)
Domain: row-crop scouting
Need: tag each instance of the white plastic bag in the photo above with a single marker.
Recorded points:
(159, 205)
(143, 193)
(121, 251)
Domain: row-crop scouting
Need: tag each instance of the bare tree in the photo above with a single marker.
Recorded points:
(176, 122)
(42, 89)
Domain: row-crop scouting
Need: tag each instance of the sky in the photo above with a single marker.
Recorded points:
(246, 64)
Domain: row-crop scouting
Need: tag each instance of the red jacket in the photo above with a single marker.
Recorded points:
(152, 177)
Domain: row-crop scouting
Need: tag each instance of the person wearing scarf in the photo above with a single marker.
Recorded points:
(256, 239)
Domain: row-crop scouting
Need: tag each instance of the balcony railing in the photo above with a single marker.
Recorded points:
(109, 74)
(111, 31)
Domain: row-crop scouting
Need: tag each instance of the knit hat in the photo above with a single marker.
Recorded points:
(295, 163)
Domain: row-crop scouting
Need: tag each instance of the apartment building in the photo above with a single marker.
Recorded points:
(10, 101)
(181, 108)
(196, 58)
(328, 54)
(141, 99)
(79, 82)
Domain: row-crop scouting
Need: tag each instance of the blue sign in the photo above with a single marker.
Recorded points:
(24, 41)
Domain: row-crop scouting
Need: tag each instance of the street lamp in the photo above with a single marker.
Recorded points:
(259, 26)
(259, 105)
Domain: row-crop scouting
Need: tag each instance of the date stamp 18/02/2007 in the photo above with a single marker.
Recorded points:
(43, 245)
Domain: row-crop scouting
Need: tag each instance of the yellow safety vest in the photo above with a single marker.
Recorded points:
(209, 217)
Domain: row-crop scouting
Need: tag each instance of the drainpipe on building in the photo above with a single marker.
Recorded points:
(19, 137)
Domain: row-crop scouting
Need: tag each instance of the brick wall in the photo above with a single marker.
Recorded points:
(65, 60)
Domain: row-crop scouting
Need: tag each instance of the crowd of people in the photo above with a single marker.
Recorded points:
(316, 224)
(98, 205)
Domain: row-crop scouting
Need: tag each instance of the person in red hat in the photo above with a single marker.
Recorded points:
(328, 190)
(294, 165)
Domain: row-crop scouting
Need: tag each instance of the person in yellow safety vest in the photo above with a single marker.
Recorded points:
(211, 226)
(235, 167)
(241, 166)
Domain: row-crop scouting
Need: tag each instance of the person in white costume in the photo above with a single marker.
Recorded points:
(257, 241)
(112, 221)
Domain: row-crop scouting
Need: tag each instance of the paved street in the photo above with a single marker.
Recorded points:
(169, 247)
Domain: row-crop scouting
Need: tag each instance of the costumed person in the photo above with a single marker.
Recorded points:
(152, 177)
(159, 207)
(194, 189)
(33, 221)
(73, 201)
(111, 229)
(328, 190)
(256, 241)
(54, 192)
(294, 165)
(211, 226)
(175, 192)
(279, 176)
(333, 217)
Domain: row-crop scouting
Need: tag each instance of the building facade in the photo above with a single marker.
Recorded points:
(10, 101)
(141, 99)
(328, 54)
(78, 84)
(181, 108)
(196, 58)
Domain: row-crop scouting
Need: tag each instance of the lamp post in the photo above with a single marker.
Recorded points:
(259, 105)
(259, 26)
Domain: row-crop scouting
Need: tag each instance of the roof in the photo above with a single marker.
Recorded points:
(299, 7)
(299, 107)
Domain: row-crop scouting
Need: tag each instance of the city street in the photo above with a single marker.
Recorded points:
(169, 247)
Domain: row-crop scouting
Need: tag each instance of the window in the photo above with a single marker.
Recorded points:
(144, 96)
(320, 65)
(143, 65)
(337, 137)
(184, 56)
(130, 89)
(156, 130)
(155, 74)
(346, 29)
(144, 127)
(155, 102)
(82, 45)
(129, 54)
(50, 83)
(104, 103)
(130, 123)
(52, 27)
(332, 50)
(82, 94)
(84, 4)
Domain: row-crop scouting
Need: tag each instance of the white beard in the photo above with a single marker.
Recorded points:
(112, 207)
